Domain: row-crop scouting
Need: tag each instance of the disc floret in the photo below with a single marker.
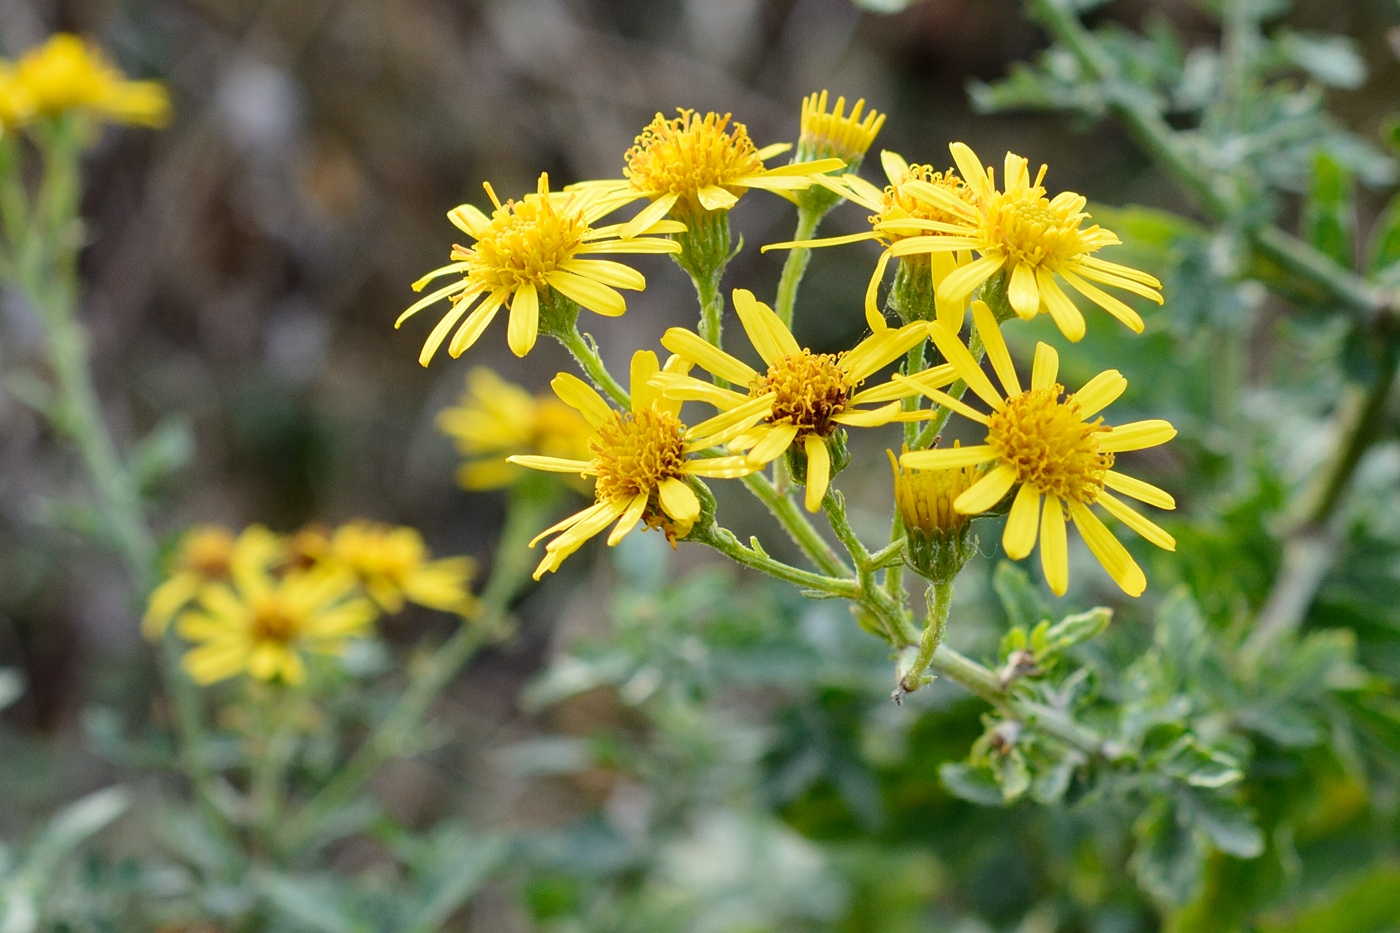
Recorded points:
(1042, 436)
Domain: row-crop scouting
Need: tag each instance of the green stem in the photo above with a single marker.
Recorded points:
(940, 600)
(795, 266)
(512, 567)
(802, 532)
(585, 352)
(711, 309)
(723, 540)
(934, 425)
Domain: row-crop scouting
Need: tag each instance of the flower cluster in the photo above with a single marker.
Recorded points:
(963, 246)
(67, 75)
(259, 602)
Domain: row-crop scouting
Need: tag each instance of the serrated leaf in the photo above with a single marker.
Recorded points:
(1078, 628)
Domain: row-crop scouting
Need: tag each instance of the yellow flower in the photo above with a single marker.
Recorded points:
(1045, 442)
(1037, 241)
(16, 103)
(496, 417)
(67, 74)
(525, 250)
(834, 134)
(641, 461)
(925, 497)
(802, 397)
(262, 625)
(898, 215)
(207, 554)
(394, 565)
(692, 165)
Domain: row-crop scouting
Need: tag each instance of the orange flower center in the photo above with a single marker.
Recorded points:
(811, 389)
(528, 239)
(635, 451)
(1048, 444)
(691, 152)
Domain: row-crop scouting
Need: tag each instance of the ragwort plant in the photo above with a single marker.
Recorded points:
(1209, 758)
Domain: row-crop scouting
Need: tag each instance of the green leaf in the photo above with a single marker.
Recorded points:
(1333, 60)
(1329, 213)
(1078, 628)
(168, 448)
(309, 903)
(1181, 631)
(1019, 597)
(1013, 775)
(74, 825)
(460, 880)
(1169, 854)
(1384, 251)
(972, 784)
(1230, 826)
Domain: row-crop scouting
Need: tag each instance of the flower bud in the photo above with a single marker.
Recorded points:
(938, 539)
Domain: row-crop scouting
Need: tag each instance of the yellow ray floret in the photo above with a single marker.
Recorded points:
(204, 555)
(496, 418)
(835, 134)
(802, 397)
(1038, 242)
(263, 625)
(1050, 449)
(525, 251)
(641, 461)
(896, 215)
(693, 164)
(393, 565)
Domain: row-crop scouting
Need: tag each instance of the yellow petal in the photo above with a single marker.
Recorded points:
(679, 501)
(648, 215)
(629, 518)
(872, 418)
(439, 332)
(1022, 292)
(1054, 548)
(422, 303)
(956, 353)
(818, 471)
(987, 491)
(581, 397)
(1109, 551)
(551, 464)
(607, 272)
(947, 458)
(524, 321)
(1143, 526)
(1136, 435)
(947, 401)
(475, 324)
(873, 317)
(1045, 368)
(1100, 392)
(715, 198)
(644, 366)
(721, 467)
(590, 294)
(894, 165)
(1139, 490)
(690, 389)
(700, 351)
(969, 167)
(958, 285)
(995, 344)
(470, 220)
(1104, 300)
(765, 329)
(776, 439)
(1066, 315)
(1019, 537)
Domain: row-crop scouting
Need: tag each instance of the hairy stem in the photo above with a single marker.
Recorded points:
(795, 265)
(585, 352)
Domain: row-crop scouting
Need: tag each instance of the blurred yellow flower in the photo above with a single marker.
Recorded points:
(66, 74)
(1043, 440)
(802, 397)
(497, 418)
(524, 250)
(641, 461)
(262, 625)
(692, 165)
(394, 565)
(1036, 240)
(898, 214)
(207, 554)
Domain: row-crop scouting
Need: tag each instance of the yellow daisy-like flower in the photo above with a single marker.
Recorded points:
(695, 164)
(262, 625)
(524, 250)
(898, 215)
(16, 103)
(67, 74)
(1038, 241)
(207, 554)
(641, 461)
(1052, 446)
(496, 417)
(834, 134)
(394, 565)
(803, 397)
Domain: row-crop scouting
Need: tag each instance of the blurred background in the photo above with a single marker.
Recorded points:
(246, 266)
